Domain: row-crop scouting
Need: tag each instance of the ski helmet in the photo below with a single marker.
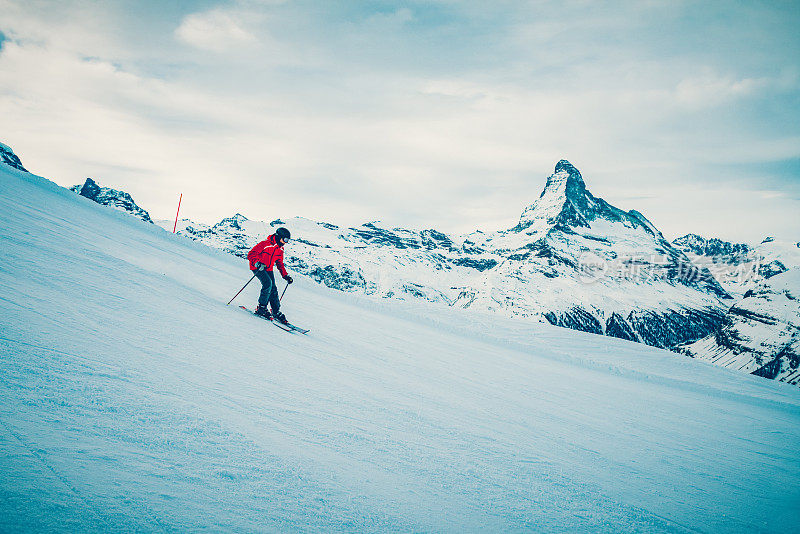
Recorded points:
(283, 233)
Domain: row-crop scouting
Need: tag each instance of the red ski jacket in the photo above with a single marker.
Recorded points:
(269, 253)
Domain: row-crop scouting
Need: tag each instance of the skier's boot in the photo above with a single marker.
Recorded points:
(262, 311)
(280, 317)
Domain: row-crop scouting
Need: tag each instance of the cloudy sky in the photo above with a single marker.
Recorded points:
(443, 114)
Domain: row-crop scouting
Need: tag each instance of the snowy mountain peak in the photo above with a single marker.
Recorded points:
(8, 157)
(567, 181)
(562, 202)
(232, 222)
(565, 204)
(566, 166)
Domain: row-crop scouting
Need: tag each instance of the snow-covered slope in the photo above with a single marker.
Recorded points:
(776, 256)
(107, 196)
(572, 260)
(132, 399)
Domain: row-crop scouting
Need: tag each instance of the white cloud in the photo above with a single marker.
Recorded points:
(216, 30)
(710, 90)
(392, 20)
(768, 195)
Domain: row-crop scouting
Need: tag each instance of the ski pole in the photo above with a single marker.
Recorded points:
(284, 291)
(244, 286)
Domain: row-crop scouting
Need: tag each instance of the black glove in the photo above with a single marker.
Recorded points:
(288, 279)
(259, 266)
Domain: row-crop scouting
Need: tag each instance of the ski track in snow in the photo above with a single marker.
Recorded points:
(133, 399)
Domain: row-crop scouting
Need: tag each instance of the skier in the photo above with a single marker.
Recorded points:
(262, 258)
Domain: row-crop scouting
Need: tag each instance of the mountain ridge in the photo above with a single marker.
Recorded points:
(492, 269)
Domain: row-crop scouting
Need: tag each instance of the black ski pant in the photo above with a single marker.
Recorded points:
(269, 291)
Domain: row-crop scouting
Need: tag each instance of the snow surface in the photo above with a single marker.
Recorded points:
(133, 399)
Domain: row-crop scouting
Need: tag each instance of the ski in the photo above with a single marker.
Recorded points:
(276, 323)
(293, 327)
(282, 326)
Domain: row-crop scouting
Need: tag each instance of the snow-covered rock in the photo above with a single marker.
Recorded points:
(760, 333)
(737, 266)
(722, 251)
(776, 256)
(572, 260)
(111, 197)
(734, 265)
(8, 157)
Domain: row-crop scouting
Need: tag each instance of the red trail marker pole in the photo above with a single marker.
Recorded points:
(176, 215)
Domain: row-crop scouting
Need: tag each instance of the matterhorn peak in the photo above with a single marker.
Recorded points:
(567, 182)
(566, 204)
(566, 166)
(563, 200)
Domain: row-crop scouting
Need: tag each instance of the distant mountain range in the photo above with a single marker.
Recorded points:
(572, 260)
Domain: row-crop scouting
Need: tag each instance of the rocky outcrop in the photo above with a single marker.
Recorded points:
(664, 329)
(8, 157)
(106, 196)
(718, 250)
